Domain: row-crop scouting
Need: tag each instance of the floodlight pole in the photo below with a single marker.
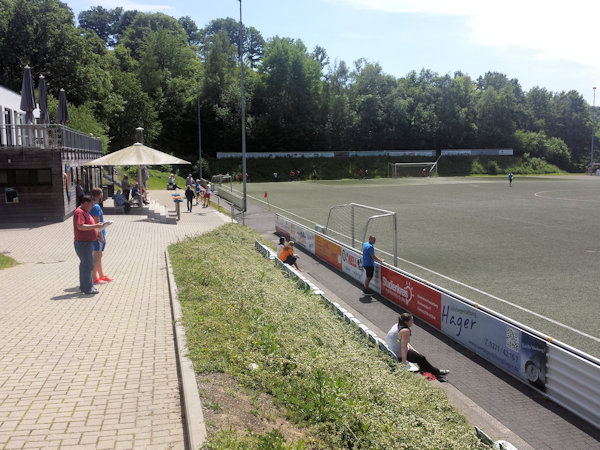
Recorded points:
(593, 131)
(199, 136)
(243, 110)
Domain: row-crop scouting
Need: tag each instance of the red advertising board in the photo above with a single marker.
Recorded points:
(419, 299)
(329, 251)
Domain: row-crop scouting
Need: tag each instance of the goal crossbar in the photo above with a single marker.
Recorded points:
(393, 167)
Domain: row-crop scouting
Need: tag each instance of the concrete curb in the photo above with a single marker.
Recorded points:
(194, 419)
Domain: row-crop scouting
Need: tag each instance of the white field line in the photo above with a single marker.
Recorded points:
(541, 195)
(479, 291)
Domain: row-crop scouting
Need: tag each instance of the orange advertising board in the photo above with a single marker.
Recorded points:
(328, 251)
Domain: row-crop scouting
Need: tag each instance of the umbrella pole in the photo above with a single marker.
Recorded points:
(140, 186)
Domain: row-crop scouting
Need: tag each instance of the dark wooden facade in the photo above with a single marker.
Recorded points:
(38, 174)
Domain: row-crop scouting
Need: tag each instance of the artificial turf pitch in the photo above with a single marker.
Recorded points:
(533, 246)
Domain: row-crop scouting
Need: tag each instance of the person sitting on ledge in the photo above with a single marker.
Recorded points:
(120, 200)
(398, 340)
(136, 196)
(172, 184)
(287, 255)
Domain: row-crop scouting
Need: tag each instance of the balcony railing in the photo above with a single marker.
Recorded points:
(47, 136)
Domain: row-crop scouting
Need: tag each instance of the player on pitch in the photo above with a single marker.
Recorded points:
(368, 262)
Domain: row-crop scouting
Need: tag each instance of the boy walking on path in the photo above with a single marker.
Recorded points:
(368, 262)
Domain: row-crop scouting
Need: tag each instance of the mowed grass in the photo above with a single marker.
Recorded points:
(528, 251)
(6, 262)
(246, 318)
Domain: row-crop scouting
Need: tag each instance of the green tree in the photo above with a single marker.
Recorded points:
(454, 109)
(287, 101)
(133, 108)
(252, 43)
(136, 34)
(102, 21)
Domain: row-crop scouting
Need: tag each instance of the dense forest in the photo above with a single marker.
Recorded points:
(123, 69)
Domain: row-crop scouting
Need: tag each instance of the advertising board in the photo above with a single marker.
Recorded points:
(328, 251)
(283, 226)
(303, 236)
(514, 350)
(412, 295)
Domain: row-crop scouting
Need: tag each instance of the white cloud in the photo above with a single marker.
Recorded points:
(553, 30)
(126, 5)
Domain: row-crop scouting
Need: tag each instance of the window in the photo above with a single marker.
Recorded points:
(25, 177)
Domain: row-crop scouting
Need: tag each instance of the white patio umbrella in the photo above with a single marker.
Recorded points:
(137, 155)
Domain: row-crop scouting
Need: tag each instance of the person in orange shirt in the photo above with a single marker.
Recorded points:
(287, 255)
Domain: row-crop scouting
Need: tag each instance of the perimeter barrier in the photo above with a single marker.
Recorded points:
(558, 371)
(235, 201)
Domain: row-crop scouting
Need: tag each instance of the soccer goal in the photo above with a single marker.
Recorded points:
(352, 224)
(412, 169)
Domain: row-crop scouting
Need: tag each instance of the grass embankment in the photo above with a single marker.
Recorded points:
(244, 318)
(6, 262)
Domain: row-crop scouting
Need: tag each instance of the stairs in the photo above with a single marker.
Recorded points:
(160, 213)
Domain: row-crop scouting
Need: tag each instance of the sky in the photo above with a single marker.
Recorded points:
(549, 44)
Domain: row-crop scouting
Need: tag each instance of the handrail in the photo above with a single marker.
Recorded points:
(52, 136)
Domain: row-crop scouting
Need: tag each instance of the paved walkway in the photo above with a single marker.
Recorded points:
(91, 371)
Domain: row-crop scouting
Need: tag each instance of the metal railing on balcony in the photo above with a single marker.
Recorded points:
(47, 136)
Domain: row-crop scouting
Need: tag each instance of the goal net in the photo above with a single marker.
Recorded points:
(352, 224)
(412, 169)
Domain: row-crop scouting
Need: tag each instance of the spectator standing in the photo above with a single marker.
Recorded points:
(198, 191)
(98, 275)
(79, 193)
(398, 340)
(85, 232)
(207, 193)
(189, 181)
(126, 186)
(368, 262)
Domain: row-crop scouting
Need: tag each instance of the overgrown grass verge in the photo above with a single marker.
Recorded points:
(6, 262)
(245, 318)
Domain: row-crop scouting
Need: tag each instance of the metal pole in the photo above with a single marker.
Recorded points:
(199, 136)
(593, 131)
(243, 109)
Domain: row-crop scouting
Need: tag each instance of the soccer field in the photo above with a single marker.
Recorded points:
(530, 251)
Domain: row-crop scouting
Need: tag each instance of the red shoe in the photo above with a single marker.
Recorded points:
(107, 278)
(99, 281)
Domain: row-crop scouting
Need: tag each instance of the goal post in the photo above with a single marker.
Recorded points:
(411, 169)
(353, 223)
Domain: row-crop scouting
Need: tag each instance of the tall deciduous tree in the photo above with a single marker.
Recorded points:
(252, 43)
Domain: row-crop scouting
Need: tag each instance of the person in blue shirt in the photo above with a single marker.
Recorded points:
(368, 262)
(510, 177)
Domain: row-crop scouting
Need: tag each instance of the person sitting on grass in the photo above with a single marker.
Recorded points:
(287, 255)
(398, 340)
